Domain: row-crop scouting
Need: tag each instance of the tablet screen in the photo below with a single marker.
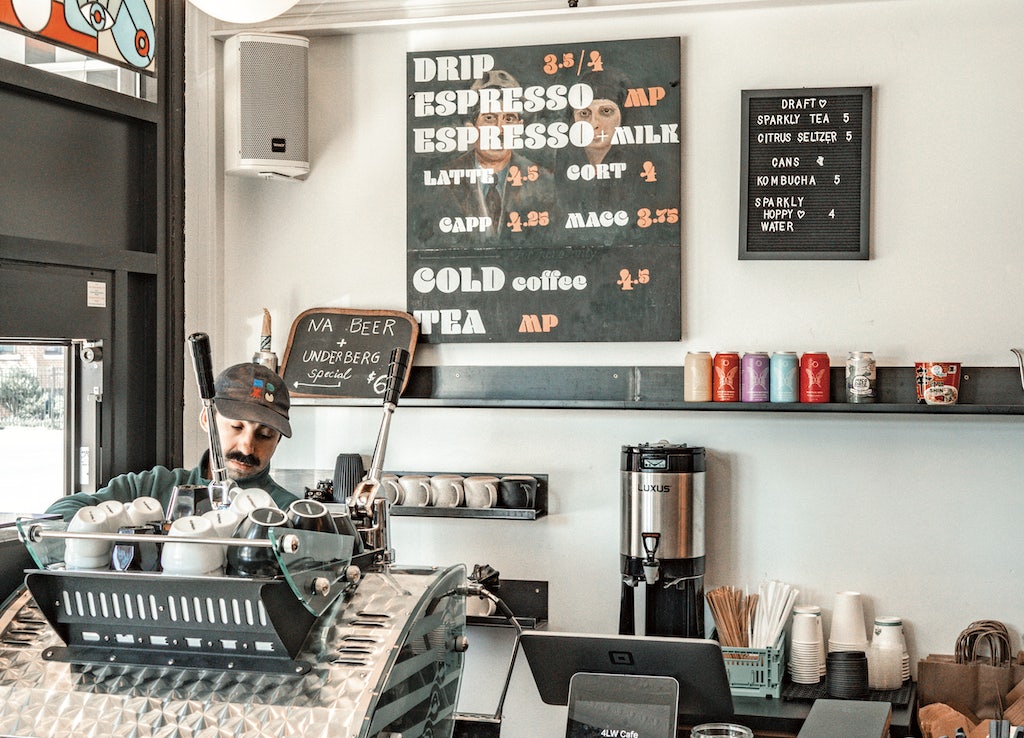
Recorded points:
(622, 706)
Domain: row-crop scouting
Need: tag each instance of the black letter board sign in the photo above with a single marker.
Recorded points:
(805, 173)
(338, 352)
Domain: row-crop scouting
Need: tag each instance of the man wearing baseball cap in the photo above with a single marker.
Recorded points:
(252, 406)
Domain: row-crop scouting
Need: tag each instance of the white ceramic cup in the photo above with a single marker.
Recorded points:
(481, 491)
(416, 488)
(480, 606)
(144, 510)
(83, 554)
(224, 524)
(247, 500)
(117, 515)
(192, 559)
(391, 490)
(447, 490)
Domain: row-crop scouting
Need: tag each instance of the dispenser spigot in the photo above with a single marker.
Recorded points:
(651, 565)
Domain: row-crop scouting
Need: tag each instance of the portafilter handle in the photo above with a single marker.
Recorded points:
(199, 348)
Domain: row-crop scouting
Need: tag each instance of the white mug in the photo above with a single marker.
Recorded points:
(391, 490)
(144, 510)
(85, 554)
(417, 489)
(247, 500)
(481, 491)
(446, 490)
(192, 559)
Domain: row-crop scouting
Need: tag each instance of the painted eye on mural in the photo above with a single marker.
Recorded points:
(96, 14)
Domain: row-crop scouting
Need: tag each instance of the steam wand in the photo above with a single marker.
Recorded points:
(199, 346)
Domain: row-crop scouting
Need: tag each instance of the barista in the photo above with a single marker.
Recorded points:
(252, 406)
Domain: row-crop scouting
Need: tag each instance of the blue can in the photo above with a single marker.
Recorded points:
(754, 369)
(785, 377)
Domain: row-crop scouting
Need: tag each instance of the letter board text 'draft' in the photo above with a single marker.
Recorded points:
(342, 352)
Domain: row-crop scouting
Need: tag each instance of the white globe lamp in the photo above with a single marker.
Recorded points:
(243, 11)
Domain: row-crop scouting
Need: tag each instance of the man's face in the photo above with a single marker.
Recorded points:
(247, 446)
(494, 157)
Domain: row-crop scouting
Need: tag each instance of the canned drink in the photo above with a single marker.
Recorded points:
(814, 377)
(754, 369)
(785, 377)
(860, 377)
(725, 385)
(697, 376)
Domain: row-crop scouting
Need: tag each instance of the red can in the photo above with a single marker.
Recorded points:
(725, 385)
(815, 379)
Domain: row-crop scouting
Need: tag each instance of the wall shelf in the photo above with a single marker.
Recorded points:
(983, 391)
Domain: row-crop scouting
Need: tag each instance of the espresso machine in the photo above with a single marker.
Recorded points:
(662, 538)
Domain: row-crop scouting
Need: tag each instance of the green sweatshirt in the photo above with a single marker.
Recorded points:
(159, 482)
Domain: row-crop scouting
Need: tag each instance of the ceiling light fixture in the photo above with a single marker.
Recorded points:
(243, 11)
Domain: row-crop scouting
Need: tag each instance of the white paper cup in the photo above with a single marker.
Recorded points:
(848, 619)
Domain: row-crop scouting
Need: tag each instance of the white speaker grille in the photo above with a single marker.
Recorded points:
(273, 111)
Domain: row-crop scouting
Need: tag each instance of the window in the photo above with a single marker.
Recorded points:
(34, 434)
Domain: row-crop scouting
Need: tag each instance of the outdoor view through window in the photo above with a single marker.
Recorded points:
(33, 399)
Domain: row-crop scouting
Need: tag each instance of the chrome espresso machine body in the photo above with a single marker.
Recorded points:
(341, 644)
(662, 538)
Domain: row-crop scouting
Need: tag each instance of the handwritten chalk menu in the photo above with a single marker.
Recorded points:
(337, 352)
(543, 192)
(805, 173)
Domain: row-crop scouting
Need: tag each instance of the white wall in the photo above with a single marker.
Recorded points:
(921, 514)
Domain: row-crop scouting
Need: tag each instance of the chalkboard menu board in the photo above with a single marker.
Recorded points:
(338, 352)
(805, 179)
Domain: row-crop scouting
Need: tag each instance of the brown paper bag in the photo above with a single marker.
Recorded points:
(968, 688)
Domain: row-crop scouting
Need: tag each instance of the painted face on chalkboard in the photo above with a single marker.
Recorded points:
(605, 116)
(489, 125)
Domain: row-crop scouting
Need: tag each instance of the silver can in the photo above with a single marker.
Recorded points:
(860, 377)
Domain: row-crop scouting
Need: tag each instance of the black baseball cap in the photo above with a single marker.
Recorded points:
(254, 393)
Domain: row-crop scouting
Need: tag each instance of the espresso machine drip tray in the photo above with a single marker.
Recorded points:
(385, 658)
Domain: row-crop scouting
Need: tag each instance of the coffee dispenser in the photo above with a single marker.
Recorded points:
(662, 538)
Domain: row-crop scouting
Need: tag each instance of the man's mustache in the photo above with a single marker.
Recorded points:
(247, 459)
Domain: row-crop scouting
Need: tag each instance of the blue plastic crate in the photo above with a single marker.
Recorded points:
(756, 672)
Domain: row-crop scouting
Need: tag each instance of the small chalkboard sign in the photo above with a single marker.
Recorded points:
(805, 173)
(338, 352)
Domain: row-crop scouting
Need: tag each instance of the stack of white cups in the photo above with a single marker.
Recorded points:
(888, 661)
(848, 632)
(807, 645)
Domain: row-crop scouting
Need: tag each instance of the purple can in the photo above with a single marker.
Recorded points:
(754, 377)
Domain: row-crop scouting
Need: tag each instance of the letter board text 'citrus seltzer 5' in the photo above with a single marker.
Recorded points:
(815, 382)
(726, 383)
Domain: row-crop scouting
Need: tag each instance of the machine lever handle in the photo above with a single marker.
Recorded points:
(199, 343)
(397, 370)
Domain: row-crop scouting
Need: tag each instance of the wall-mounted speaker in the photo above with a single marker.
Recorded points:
(266, 105)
